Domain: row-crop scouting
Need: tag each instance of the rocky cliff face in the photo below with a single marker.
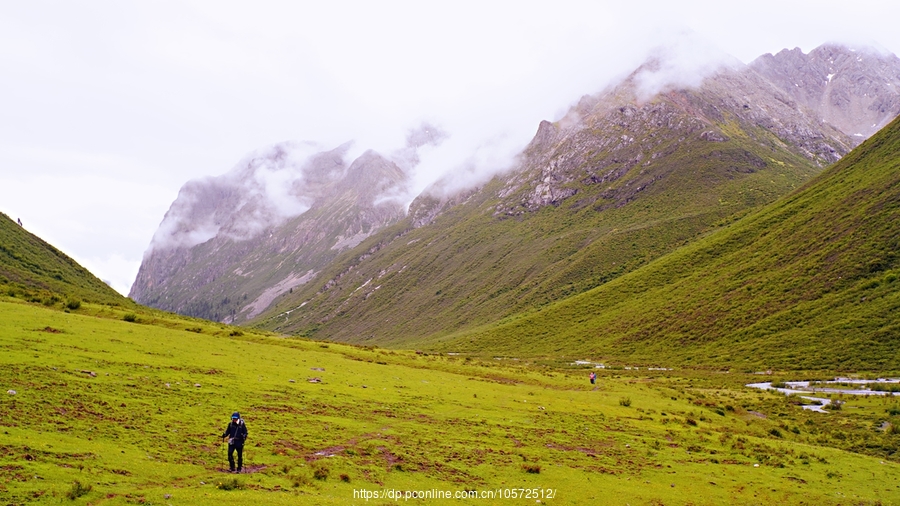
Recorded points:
(230, 245)
(625, 177)
(820, 105)
(855, 90)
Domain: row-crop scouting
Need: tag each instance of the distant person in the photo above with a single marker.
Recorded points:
(593, 377)
(236, 432)
(20, 222)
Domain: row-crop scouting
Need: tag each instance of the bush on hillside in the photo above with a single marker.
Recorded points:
(232, 484)
(320, 471)
(532, 468)
(78, 490)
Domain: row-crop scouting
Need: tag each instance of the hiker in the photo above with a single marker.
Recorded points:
(236, 432)
(593, 377)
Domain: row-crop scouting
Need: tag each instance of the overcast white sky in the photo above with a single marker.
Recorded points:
(107, 108)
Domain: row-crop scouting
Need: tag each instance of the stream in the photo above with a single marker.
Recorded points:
(807, 392)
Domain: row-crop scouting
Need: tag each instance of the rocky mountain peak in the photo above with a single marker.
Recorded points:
(818, 105)
(372, 176)
(545, 135)
(300, 207)
(262, 190)
(857, 90)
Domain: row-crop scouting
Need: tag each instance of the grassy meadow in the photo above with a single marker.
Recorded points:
(109, 411)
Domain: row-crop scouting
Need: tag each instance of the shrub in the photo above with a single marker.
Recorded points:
(835, 405)
(232, 484)
(345, 478)
(301, 479)
(625, 401)
(871, 284)
(78, 490)
(130, 317)
(320, 471)
(73, 304)
(532, 468)
(775, 432)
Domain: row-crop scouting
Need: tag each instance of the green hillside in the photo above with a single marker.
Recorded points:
(98, 410)
(486, 256)
(809, 282)
(32, 269)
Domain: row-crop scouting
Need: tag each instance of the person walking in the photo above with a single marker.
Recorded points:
(236, 432)
(593, 377)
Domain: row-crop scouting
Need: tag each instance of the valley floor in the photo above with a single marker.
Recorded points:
(107, 411)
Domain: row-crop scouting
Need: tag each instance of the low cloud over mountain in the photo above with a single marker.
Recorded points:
(232, 245)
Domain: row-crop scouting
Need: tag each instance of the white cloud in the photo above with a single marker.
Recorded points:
(683, 62)
(119, 272)
(138, 98)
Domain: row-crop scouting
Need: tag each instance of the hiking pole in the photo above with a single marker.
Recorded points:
(226, 442)
(222, 446)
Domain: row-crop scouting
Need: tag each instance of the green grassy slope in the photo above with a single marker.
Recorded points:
(129, 413)
(809, 282)
(476, 264)
(34, 269)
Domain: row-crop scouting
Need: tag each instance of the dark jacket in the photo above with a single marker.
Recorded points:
(236, 432)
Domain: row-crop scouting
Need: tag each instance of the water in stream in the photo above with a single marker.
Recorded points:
(807, 389)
